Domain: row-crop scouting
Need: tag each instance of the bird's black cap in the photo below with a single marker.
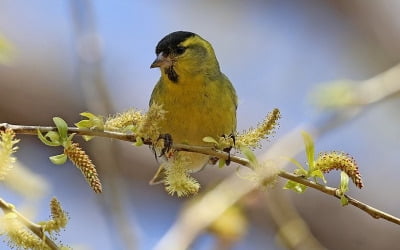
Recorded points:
(170, 42)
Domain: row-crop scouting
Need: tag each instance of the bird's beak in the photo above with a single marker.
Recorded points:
(161, 61)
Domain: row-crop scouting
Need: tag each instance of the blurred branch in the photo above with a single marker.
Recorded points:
(380, 87)
(90, 75)
(351, 94)
(35, 228)
(293, 232)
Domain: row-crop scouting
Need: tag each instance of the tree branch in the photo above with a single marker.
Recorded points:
(375, 213)
(35, 228)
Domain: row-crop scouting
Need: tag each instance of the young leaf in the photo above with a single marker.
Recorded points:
(47, 141)
(84, 124)
(53, 137)
(301, 172)
(221, 163)
(139, 142)
(344, 182)
(298, 164)
(295, 186)
(250, 156)
(58, 159)
(210, 140)
(130, 128)
(318, 174)
(62, 127)
(93, 121)
(343, 188)
(71, 136)
(87, 137)
(344, 201)
(88, 115)
(309, 144)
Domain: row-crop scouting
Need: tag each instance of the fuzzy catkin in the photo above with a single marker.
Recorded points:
(340, 161)
(82, 161)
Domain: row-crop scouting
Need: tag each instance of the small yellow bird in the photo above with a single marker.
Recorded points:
(199, 99)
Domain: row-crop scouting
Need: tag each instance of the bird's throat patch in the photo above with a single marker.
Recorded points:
(172, 75)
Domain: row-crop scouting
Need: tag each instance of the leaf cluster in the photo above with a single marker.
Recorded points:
(316, 168)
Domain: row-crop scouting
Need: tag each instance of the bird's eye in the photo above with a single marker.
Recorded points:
(180, 50)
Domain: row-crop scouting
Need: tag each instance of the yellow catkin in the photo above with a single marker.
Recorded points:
(7, 148)
(334, 160)
(177, 179)
(59, 217)
(120, 121)
(252, 137)
(82, 161)
(20, 237)
(231, 225)
(150, 126)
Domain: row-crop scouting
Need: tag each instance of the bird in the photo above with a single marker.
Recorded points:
(198, 98)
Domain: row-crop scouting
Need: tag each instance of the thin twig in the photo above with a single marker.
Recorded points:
(32, 130)
(35, 228)
(375, 213)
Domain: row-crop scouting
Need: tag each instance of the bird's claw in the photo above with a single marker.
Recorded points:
(232, 136)
(228, 149)
(167, 143)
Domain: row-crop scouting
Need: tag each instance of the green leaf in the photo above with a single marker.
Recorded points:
(53, 137)
(139, 141)
(318, 174)
(68, 141)
(301, 172)
(58, 159)
(210, 140)
(298, 164)
(221, 163)
(250, 156)
(289, 185)
(130, 128)
(71, 136)
(344, 182)
(295, 186)
(93, 121)
(84, 124)
(88, 115)
(344, 201)
(62, 127)
(47, 141)
(343, 188)
(87, 137)
(310, 149)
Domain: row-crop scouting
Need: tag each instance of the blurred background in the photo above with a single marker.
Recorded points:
(66, 57)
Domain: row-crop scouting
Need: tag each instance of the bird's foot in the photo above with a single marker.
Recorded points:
(167, 139)
(213, 160)
(159, 176)
(228, 149)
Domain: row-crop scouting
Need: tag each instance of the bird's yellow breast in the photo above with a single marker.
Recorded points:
(196, 108)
